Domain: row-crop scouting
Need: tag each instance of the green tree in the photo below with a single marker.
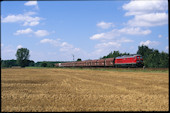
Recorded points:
(146, 54)
(153, 58)
(164, 60)
(31, 62)
(124, 54)
(8, 63)
(79, 59)
(43, 64)
(49, 64)
(115, 54)
(22, 56)
(37, 64)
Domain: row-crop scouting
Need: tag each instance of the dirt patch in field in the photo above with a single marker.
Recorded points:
(32, 90)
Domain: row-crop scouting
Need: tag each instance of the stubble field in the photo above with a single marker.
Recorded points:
(32, 90)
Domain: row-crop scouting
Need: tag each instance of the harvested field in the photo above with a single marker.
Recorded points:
(32, 90)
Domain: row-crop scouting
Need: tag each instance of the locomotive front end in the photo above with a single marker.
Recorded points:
(139, 61)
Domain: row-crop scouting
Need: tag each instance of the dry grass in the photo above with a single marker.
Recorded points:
(82, 90)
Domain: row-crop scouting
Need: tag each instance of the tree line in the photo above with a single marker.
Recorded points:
(151, 57)
(28, 63)
(114, 54)
(22, 60)
(154, 58)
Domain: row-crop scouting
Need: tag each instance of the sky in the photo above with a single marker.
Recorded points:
(59, 30)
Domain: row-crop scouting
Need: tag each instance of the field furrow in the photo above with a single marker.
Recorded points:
(32, 90)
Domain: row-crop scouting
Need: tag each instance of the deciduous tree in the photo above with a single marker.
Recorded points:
(22, 56)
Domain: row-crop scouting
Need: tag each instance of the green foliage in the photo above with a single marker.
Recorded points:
(46, 64)
(79, 59)
(8, 63)
(37, 64)
(22, 57)
(153, 58)
(115, 54)
(31, 62)
(43, 64)
(164, 60)
(50, 64)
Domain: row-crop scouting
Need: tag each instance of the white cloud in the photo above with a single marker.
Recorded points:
(38, 33)
(149, 43)
(140, 7)
(19, 46)
(26, 18)
(26, 31)
(167, 48)
(51, 41)
(34, 23)
(134, 31)
(19, 17)
(41, 33)
(149, 20)
(31, 3)
(46, 41)
(64, 46)
(147, 13)
(113, 40)
(116, 43)
(103, 48)
(118, 32)
(105, 25)
(108, 44)
(159, 36)
(124, 40)
(97, 36)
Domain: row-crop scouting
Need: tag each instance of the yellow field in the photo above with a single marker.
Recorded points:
(83, 90)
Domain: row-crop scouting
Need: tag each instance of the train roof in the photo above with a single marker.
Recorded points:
(127, 56)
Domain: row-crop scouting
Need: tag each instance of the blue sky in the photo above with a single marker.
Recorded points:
(56, 30)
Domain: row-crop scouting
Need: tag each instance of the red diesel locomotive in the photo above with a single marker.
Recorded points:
(123, 61)
(129, 60)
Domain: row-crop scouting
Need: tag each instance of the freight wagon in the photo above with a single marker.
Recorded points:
(122, 61)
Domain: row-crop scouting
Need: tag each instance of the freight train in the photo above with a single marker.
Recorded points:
(134, 60)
